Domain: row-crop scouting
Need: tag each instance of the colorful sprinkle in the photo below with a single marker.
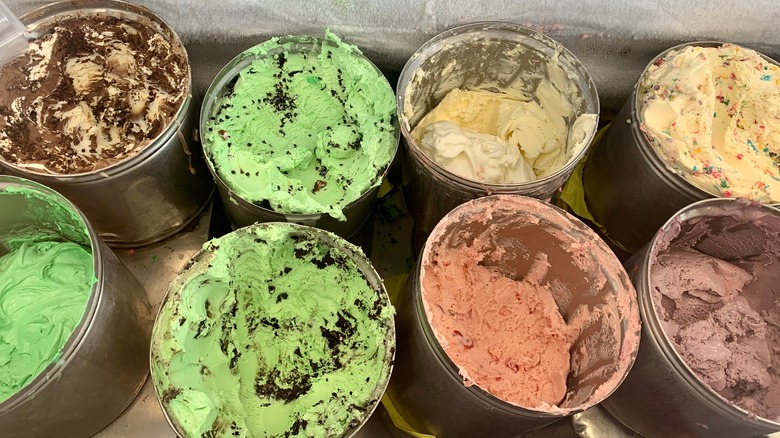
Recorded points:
(766, 78)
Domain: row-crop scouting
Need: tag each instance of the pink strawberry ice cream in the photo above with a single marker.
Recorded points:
(715, 286)
(504, 281)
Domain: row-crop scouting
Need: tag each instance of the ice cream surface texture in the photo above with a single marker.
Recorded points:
(272, 332)
(714, 284)
(503, 137)
(92, 89)
(44, 288)
(308, 126)
(463, 134)
(501, 282)
(713, 116)
(474, 155)
(45, 285)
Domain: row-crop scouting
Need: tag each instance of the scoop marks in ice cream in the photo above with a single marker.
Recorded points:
(503, 282)
(272, 333)
(714, 284)
(307, 127)
(92, 89)
(713, 115)
(44, 288)
(503, 137)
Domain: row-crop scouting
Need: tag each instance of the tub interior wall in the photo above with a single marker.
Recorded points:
(522, 240)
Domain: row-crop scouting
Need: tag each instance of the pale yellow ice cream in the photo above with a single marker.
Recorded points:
(474, 155)
(713, 115)
(507, 123)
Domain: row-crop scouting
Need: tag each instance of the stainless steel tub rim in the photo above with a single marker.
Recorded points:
(625, 169)
(71, 346)
(463, 32)
(46, 13)
(451, 367)
(672, 178)
(227, 74)
(652, 320)
(363, 264)
(662, 396)
(159, 190)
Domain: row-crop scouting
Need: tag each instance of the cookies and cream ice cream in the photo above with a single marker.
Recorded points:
(528, 305)
(503, 138)
(45, 284)
(714, 284)
(273, 331)
(92, 89)
(713, 115)
(308, 126)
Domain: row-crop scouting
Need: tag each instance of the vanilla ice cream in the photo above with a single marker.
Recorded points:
(503, 137)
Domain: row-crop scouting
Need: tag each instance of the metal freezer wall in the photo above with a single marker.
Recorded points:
(615, 39)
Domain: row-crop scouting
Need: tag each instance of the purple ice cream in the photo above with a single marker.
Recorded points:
(715, 285)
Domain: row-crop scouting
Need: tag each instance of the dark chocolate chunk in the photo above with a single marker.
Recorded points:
(284, 389)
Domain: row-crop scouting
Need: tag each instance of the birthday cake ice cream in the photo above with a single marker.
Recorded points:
(713, 115)
(308, 126)
(93, 89)
(272, 333)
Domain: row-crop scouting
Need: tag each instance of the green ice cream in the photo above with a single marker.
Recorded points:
(272, 333)
(45, 284)
(308, 126)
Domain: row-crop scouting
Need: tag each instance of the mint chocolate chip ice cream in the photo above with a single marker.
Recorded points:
(275, 330)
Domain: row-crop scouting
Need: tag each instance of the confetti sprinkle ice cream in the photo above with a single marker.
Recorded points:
(713, 115)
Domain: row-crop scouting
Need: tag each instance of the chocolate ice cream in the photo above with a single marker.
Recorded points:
(715, 285)
(92, 89)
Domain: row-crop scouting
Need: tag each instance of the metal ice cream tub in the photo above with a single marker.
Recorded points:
(102, 365)
(176, 311)
(149, 196)
(662, 396)
(628, 187)
(428, 387)
(243, 212)
(472, 57)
